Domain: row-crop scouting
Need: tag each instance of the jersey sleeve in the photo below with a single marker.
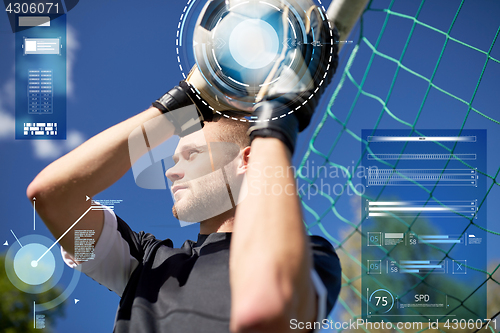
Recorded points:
(118, 252)
(326, 275)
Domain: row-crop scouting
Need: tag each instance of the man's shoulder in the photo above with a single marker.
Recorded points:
(139, 240)
(317, 240)
(321, 245)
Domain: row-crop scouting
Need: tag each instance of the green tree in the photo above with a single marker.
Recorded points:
(16, 306)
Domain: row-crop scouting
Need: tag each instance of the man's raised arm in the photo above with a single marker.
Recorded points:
(272, 280)
(270, 257)
(61, 188)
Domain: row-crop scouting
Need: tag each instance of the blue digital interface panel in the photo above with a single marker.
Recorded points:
(424, 219)
(40, 76)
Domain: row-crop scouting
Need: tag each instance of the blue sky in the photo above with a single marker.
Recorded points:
(121, 56)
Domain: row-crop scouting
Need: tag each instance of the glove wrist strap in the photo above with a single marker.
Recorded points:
(182, 96)
(176, 98)
(282, 128)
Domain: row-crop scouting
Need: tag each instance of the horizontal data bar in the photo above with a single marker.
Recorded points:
(421, 156)
(425, 214)
(421, 138)
(421, 171)
(394, 235)
(462, 203)
(422, 266)
(410, 209)
(387, 203)
(438, 241)
(34, 21)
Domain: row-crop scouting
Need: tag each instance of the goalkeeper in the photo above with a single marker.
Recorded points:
(252, 268)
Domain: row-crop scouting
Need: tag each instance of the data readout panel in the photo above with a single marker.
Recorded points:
(423, 245)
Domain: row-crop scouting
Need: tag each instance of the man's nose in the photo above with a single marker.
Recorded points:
(174, 173)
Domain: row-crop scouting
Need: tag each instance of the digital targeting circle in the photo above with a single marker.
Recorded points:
(245, 51)
(31, 266)
(31, 270)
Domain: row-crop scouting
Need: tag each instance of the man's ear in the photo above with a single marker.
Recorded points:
(244, 159)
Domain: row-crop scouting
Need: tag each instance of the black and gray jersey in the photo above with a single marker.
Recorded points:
(166, 289)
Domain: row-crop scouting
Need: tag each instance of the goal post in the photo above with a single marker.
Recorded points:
(344, 14)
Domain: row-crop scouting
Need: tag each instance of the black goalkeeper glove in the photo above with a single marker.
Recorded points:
(184, 121)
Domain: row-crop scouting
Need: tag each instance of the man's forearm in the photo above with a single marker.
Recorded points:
(270, 259)
(60, 189)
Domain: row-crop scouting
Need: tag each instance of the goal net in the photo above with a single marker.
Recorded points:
(411, 65)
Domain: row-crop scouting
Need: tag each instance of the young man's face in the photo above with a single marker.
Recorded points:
(203, 166)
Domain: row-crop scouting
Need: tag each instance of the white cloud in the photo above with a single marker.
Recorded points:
(73, 140)
(7, 121)
(9, 91)
(51, 149)
(72, 45)
(7, 124)
(47, 149)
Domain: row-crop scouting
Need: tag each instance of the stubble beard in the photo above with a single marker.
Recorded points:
(205, 197)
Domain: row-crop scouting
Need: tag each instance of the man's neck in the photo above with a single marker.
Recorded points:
(220, 223)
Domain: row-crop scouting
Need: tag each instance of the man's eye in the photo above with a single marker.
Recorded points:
(192, 154)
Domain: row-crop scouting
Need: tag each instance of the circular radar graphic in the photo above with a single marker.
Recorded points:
(31, 270)
(34, 266)
(239, 52)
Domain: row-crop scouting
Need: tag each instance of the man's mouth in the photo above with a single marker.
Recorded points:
(177, 188)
